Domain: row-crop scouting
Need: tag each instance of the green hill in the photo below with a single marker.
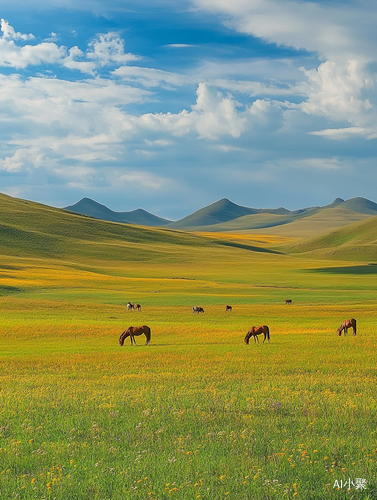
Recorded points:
(35, 230)
(357, 241)
(319, 222)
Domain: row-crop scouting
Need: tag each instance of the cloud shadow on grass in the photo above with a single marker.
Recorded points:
(363, 269)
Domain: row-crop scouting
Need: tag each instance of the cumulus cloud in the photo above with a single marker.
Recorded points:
(256, 116)
(342, 92)
(105, 49)
(342, 87)
(213, 115)
(9, 32)
(109, 49)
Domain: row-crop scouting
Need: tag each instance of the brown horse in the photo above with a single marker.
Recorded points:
(258, 330)
(133, 331)
(137, 307)
(348, 323)
(288, 301)
(228, 308)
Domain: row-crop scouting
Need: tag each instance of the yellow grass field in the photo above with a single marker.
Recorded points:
(197, 414)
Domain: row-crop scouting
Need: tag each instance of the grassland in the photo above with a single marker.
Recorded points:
(197, 414)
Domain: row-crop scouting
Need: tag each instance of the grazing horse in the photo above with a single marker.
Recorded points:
(133, 331)
(137, 307)
(348, 323)
(258, 330)
(228, 308)
(288, 301)
(197, 309)
(129, 306)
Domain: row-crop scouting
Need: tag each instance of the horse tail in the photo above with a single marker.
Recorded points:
(355, 327)
(148, 333)
(268, 333)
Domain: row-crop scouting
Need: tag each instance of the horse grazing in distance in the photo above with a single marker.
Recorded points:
(228, 308)
(258, 330)
(137, 307)
(348, 323)
(134, 331)
(288, 301)
(197, 309)
(130, 306)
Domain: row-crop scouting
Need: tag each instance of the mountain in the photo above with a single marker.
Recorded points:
(225, 215)
(91, 208)
(219, 212)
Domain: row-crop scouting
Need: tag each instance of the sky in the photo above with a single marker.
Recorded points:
(170, 105)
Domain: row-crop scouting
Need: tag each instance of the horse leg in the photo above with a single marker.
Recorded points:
(256, 339)
(345, 331)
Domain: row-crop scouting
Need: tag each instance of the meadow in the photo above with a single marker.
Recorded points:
(197, 414)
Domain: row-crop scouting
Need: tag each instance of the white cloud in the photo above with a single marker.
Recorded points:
(212, 116)
(179, 45)
(342, 92)
(317, 164)
(139, 178)
(10, 34)
(345, 133)
(332, 29)
(104, 50)
(109, 49)
(343, 86)
(71, 62)
(29, 55)
(150, 77)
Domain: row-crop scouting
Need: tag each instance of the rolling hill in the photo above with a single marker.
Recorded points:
(356, 242)
(30, 229)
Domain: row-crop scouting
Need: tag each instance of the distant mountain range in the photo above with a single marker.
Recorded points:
(89, 207)
(225, 215)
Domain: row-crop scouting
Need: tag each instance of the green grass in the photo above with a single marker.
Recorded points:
(197, 414)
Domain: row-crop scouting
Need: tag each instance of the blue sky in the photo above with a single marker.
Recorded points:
(171, 105)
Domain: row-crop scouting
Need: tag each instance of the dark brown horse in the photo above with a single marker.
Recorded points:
(288, 301)
(134, 331)
(258, 330)
(228, 308)
(348, 323)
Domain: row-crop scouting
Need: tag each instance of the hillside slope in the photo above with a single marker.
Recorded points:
(36, 230)
(325, 220)
(357, 241)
